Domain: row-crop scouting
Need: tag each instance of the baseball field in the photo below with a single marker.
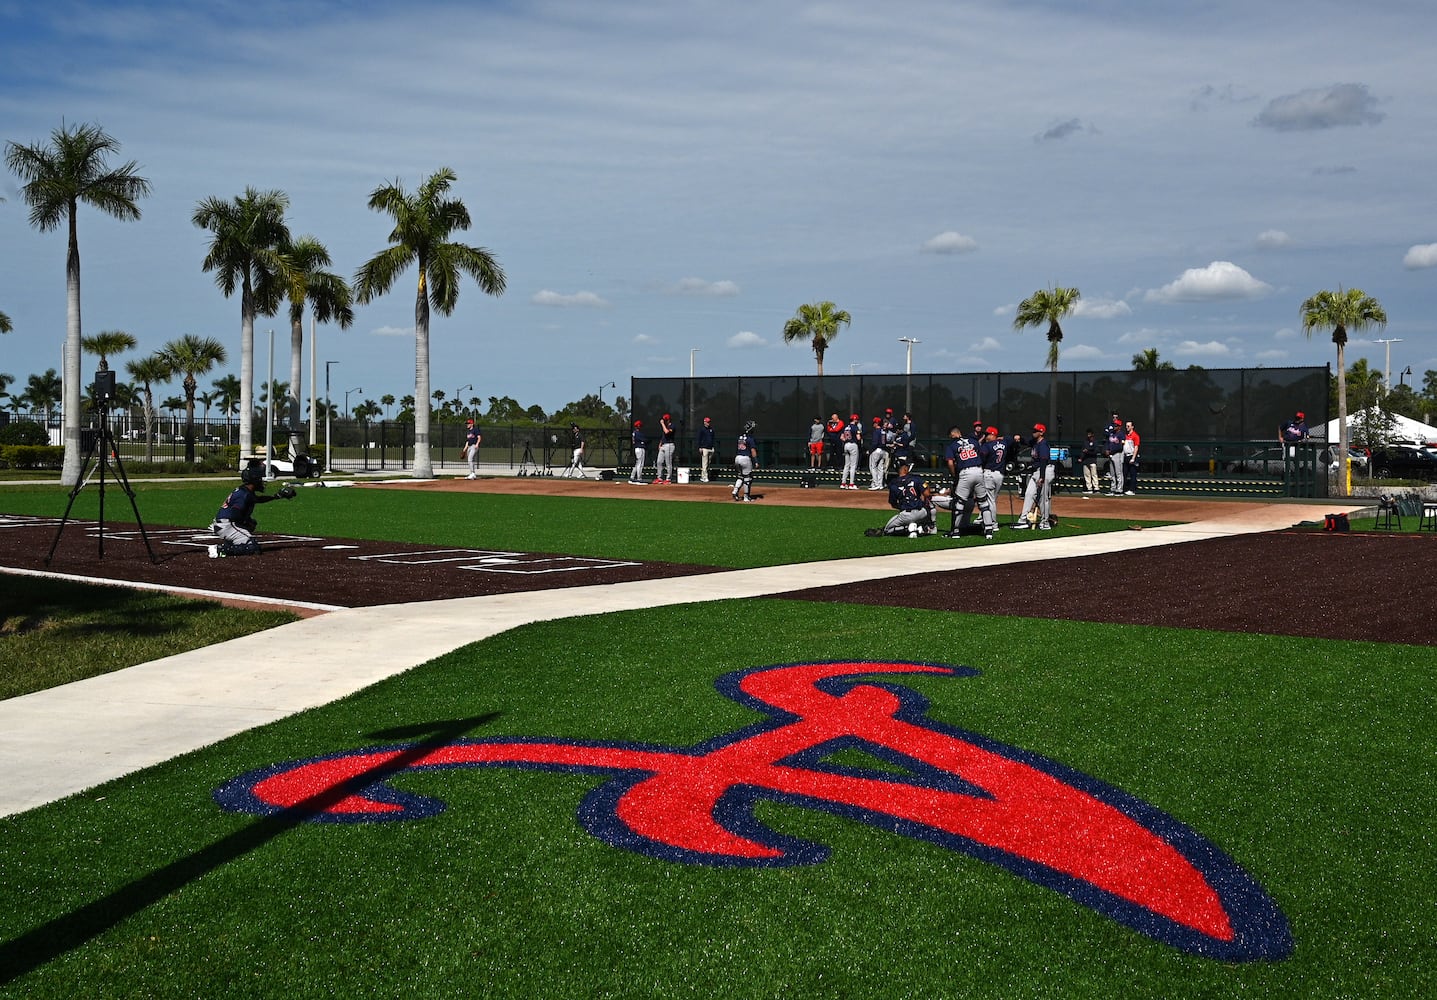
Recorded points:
(932, 768)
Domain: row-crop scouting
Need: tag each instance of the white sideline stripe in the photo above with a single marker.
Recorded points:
(224, 595)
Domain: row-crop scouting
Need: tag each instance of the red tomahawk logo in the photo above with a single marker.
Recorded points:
(1045, 822)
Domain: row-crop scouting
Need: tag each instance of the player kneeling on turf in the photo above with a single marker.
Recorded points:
(235, 523)
(911, 497)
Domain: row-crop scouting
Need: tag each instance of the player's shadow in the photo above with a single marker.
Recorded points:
(54, 938)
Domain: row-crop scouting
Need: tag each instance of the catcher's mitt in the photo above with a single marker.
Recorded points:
(286, 492)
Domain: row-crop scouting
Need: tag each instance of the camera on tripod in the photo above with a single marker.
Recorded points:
(103, 390)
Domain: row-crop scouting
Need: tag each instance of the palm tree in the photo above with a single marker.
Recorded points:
(818, 323)
(423, 223)
(149, 372)
(1354, 310)
(1147, 361)
(388, 400)
(43, 393)
(108, 342)
(227, 388)
(1048, 306)
(5, 326)
(327, 294)
(73, 168)
(192, 356)
(248, 234)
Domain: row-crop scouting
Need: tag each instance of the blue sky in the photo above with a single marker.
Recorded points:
(656, 178)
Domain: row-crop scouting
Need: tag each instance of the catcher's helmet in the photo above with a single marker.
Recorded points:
(254, 475)
(749, 426)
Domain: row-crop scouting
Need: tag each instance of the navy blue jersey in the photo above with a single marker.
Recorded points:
(239, 505)
(639, 440)
(471, 437)
(963, 453)
(747, 446)
(705, 437)
(993, 454)
(1042, 455)
(854, 431)
(666, 430)
(1113, 436)
(1294, 430)
(906, 493)
(878, 439)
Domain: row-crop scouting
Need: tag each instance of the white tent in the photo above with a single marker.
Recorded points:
(1403, 429)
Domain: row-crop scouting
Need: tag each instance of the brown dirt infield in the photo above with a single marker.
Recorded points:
(1289, 583)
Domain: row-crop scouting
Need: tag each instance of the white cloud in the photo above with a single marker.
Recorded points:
(644, 338)
(1273, 355)
(393, 331)
(1211, 349)
(1219, 280)
(1286, 333)
(746, 339)
(1319, 108)
(1102, 308)
(1422, 255)
(701, 287)
(987, 344)
(950, 242)
(586, 300)
(1083, 352)
(1272, 239)
(1008, 311)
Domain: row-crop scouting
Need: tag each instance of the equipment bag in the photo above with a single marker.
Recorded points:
(1336, 522)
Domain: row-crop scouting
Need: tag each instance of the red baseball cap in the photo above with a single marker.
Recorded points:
(1040, 429)
(993, 431)
(638, 423)
(667, 417)
(1300, 415)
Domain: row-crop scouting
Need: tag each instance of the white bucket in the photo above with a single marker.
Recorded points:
(683, 475)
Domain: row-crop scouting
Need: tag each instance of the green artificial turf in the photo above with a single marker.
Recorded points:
(1309, 762)
(54, 632)
(738, 536)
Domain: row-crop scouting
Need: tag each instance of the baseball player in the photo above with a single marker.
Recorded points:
(965, 466)
(745, 461)
(235, 523)
(576, 461)
(641, 447)
(664, 467)
(911, 497)
(472, 438)
(877, 455)
(850, 435)
(994, 452)
(706, 444)
(1039, 493)
(1113, 435)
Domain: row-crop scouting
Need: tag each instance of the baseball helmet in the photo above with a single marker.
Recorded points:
(254, 476)
(1040, 429)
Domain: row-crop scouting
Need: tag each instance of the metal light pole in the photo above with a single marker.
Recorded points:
(457, 391)
(692, 352)
(908, 374)
(358, 388)
(1387, 365)
(328, 413)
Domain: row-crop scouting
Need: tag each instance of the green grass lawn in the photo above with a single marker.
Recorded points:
(739, 536)
(1308, 762)
(54, 631)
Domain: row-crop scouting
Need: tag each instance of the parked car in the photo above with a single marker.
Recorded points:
(1404, 461)
(1328, 457)
(1267, 462)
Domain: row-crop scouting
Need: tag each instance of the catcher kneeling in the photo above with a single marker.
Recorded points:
(235, 523)
(913, 500)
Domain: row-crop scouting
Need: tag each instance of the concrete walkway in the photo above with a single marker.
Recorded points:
(61, 741)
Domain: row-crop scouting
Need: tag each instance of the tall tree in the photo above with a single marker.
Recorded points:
(1342, 311)
(192, 356)
(74, 167)
(108, 342)
(5, 326)
(326, 293)
(1147, 361)
(43, 393)
(817, 323)
(247, 238)
(149, 372)
(423, 225)
(1048, 306)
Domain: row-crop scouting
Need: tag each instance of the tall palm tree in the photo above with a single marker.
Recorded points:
(423, 223)
(1048, 306)
(1147, 361)
(72, 168)
(327, 294)
(192, 356)
(227, 388)
(5, 326)
(108, 342)
(818, 323)
(43, 393)
(149, 372)
(247, 238)
(1354, 310)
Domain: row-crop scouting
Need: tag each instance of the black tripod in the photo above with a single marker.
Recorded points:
(527, 465)
(104, 443)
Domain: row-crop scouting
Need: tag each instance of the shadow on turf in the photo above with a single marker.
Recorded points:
(54, 938)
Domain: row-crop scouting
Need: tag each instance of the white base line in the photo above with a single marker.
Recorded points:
(222, 595)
